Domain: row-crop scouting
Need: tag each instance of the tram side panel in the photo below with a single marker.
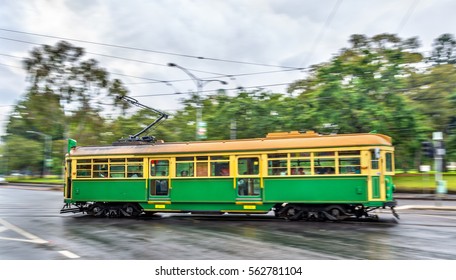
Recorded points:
(316, 190)
(108, 190)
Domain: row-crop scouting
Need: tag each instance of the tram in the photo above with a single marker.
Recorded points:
(296, 175)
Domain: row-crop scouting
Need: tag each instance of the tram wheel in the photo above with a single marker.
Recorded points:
(130, 210)
(97, 209)
(293, 214)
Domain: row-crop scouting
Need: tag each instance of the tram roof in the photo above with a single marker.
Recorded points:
(272, 142)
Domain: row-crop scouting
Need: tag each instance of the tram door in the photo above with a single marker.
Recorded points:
(377, 176)
(68, 179)
(248, 179)
(159, 184)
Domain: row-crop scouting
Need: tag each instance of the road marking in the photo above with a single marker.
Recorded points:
(21, 240)
(4, 225)
(30, 237)
(69, 254)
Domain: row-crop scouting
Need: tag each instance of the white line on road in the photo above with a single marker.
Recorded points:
(30, 237)
(69, 254)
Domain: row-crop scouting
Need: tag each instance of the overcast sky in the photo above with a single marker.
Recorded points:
(240, 39)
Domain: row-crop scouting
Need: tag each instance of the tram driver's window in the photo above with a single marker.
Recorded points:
(249, 166)
(389, 162)
(375, 156)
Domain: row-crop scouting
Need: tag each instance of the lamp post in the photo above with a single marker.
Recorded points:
(47, 148)
(200, 83)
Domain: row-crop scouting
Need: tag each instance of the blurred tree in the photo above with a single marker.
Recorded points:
(24, 155)
(65, 98)
(363, 89)
(434, 91)
(444, 51)
(62, 71)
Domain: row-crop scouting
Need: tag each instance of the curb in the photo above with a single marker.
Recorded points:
(425, 207)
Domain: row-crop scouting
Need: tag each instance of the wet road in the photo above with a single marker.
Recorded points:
(31, 228)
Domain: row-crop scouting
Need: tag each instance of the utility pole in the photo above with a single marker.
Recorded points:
(201, 126)
(439, 153)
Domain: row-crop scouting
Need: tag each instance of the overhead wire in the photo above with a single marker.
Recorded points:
(169, 82)
(148, 50)
(407, 15)
(322, 31)
(218, 75)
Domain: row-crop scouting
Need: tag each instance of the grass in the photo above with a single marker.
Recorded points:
(423, 182)
(35, 180)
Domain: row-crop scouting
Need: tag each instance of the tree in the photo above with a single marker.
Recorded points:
(65, 98)
(62, 71)
(444, 51)
(364, 87)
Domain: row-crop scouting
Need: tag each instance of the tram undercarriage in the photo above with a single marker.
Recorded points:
(104, 209)
(288, 211)
(324, 212)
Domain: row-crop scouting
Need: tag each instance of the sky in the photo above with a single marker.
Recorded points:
(253, 44)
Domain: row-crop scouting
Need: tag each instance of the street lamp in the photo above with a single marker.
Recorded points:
(200, 83)
(47, 148)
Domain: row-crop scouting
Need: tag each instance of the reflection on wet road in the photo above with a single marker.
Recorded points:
(420, 234)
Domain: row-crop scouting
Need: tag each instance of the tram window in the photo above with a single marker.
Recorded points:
(220, 166)
(248, 186)
(134, 167)
(100, 168)
(202, 169)
(84, 168)
(375, 155)
(349, 165)
(324, 154)
(134, 171)
(184, 169)
(248, 166)
(117, 171)
(349, 153)
(184, 159)
(300, 167)
(324, 166)
(302, 154)
(389, 162)
(159, 187)
(277, 155)
(277, 167)
(159, 168)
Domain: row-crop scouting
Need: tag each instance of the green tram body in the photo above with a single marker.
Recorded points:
(298, 175)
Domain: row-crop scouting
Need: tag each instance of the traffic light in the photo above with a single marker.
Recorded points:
(427, 149)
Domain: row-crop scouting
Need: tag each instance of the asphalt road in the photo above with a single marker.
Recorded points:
(31, 228)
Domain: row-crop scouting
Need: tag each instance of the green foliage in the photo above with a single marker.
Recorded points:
(64, 99)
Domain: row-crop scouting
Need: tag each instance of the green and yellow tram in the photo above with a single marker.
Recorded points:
(296, 175)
